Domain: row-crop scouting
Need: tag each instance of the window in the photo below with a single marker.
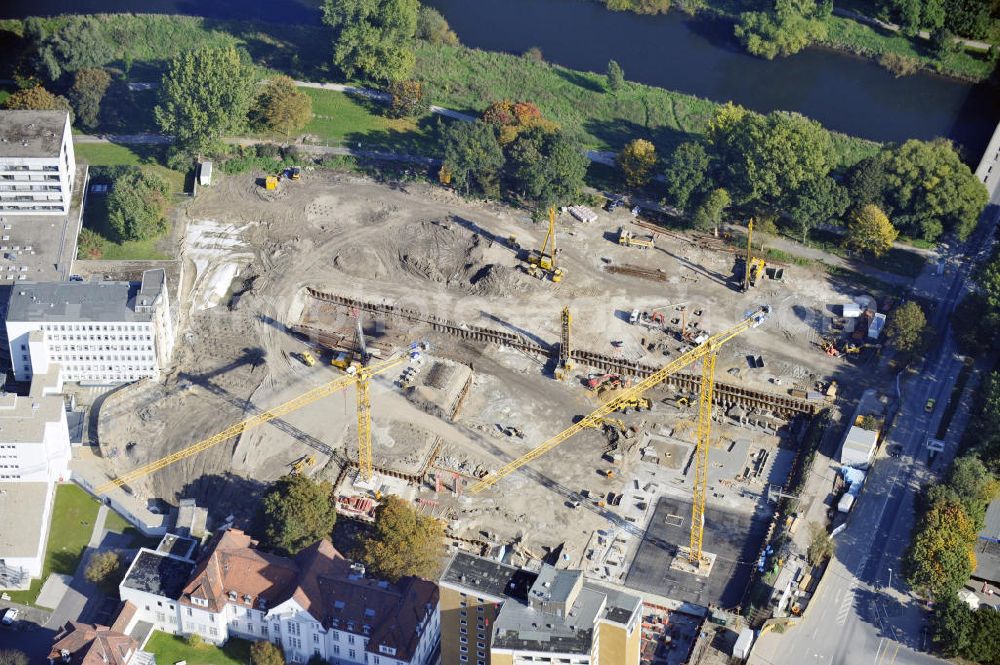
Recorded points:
(463, 639)
(464, 659)
(463, 630)
(336, 649)
(293, 628)
(350, 639)
(350, 654)
(213, 631)
(315, 638)
(464, 649)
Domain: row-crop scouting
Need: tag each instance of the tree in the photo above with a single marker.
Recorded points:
(404, 543)
(282, 106)
(266, 653)
(907, 327)
(616, 76)
(432, 27)
(818, 201)
(951, 626)
(686, 173)
(297, 512)
(512, 118)
(80, 43)
(940, 558)
(866, 181)
(408, 99)
(205, 94)
(929, 189)
(765, 159)
(869, 230)
(969, 18)
(790, 27)
(36, 99)
(973, 485)
(820, 544)
(638, 6)
(89, 86)
(373, 38)
(13, 657)
(137, 204)
(636, 160)
(546, 167)
(102, 566)
(708, 215)
(473, 157)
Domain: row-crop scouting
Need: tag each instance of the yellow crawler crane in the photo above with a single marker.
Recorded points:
(565, 365)
(706, 352)
(543, 262)
(360, 379)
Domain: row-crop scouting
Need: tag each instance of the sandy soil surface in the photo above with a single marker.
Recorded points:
(249, 256)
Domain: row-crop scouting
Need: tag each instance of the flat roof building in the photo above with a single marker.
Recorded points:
(37, 163)
(495, 614)
(97, 332)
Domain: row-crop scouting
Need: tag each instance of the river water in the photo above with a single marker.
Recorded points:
(699, 57)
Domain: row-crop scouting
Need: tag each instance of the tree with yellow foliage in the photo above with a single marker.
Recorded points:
(637, 160)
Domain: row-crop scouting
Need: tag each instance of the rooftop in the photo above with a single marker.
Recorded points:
(22, 506)
(32, 133)
(487, 577)
(988, 546)
(179, 546)
(520, 627)
(70, 302)
(158, 573)
(23, 419)
(89, 644)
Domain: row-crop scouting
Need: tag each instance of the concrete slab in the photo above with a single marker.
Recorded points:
(53, 590)
(733, 537)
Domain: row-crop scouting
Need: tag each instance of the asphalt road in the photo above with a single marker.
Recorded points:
(863, 612)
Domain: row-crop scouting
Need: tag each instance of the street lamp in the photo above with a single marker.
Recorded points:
(890, 578)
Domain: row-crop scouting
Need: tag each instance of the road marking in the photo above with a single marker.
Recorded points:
(846, 605)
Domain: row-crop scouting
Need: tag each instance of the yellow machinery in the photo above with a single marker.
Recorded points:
(628, 239)
(342, 360)
(637, 403)
(308, 358)
(706, 352)
(359, 379)
(613, 422)
(565, 365)
(303, 463)
(754, 265)
(543, 262)
(271, 182)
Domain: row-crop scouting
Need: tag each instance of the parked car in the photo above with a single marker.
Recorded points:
(9, 616)
(930, 405)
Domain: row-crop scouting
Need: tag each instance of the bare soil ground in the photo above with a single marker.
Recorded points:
(249, 257)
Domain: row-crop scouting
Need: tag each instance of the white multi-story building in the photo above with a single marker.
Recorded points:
(315, 604)
(97, 332)
(37, 164)
(34, 456)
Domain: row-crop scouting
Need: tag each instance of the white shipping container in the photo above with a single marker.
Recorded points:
(876, 326)
(743, 643)
(851, 310)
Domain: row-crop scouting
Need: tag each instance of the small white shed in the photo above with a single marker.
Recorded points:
(205, 174)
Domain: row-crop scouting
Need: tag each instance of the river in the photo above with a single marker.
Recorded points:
(843, 92)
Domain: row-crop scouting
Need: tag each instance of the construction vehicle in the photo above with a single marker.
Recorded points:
(636, 403)
(607, 473)
(358, 379)
(542, 262)
(342, 360)
(308, 358)
(601, 423)
(757, 266)
(295, 173)
(705, 352)
(271, 182)
(628, 239)
(603, 382)
(303, 463)
(564, 365)
(754, 265)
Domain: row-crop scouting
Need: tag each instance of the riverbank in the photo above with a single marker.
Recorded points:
(862, 35)
(459, 78)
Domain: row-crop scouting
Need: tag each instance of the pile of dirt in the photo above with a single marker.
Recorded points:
(433, 251)
(501, 281)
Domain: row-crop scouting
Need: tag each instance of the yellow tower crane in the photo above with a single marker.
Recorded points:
(565, 365)
(706, 352)
(360, 379)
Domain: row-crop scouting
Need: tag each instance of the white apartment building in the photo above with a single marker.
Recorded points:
(37, 164)
(315, 604)
(97, 332)
(34, 456)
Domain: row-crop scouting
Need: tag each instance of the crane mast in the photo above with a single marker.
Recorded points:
(593, 419)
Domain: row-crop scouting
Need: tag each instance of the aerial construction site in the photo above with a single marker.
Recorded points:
(401, 340)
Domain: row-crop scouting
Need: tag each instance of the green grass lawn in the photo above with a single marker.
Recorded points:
(73, 517)
(172, 649)
(469, 80)
(95, 215)
(339, 118)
